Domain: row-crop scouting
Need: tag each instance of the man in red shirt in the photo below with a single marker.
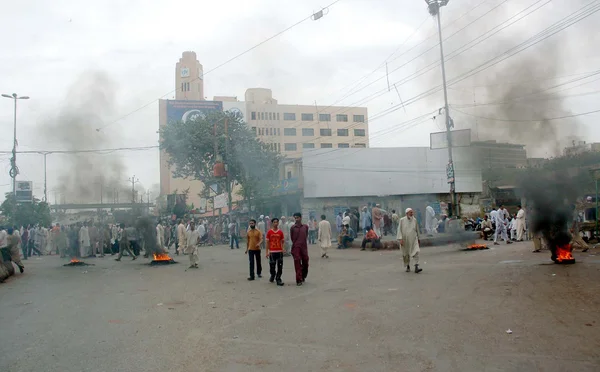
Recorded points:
(371, 237)
(299, 235)
(275, 241)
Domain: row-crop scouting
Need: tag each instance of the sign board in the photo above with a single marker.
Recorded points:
(460, 138)
(184, 110)
(220, 201)
(287, 186)
(24, 191)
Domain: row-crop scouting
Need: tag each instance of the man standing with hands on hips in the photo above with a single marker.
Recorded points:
(299, 234)
(408, 235)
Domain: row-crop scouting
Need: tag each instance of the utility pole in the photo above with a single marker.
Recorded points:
(227, 180)
(14, 171)
(45, 180)
(434, 10)
(133, 181)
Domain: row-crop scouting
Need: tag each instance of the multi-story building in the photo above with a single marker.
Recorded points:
(287, 128)
(581, 147)
(291, 128)
(500, 155)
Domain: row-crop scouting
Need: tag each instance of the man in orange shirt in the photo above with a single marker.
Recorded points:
(275, 241)
(371, 236)
(254, 239)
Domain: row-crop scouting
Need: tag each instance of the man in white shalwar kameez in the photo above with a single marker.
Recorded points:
(520, 223)
(408, 235)
(191, 248)
(85, 248)
(324, 236)
(501, 225)
(160, 235)
(430, 220)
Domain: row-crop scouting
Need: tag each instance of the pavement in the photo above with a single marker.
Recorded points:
(358, 311)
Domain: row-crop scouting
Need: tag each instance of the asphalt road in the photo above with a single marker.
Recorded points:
(359, 311)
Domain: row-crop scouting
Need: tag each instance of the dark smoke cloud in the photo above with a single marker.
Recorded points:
(147, 227)
(89, 103)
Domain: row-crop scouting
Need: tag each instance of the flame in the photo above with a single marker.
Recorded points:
(477, 246)
(161, 257)
(564, 253)
(74, 260)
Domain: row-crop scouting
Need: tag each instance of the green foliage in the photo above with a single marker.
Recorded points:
(191, 148)
(19, 214)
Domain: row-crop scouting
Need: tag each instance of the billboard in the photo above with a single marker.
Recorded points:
(220, 201)
(183, 110)
(460, 138)
(24, 191)
(237, 108)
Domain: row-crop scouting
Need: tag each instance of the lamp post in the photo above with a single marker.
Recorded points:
(434, 9)
(13, 161)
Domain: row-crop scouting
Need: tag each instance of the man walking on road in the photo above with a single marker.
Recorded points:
(181, 236)
(501, 225)
(520, 223)
(124, 244)
(234, 232)
(253, 241)
(12, 243)
(275, 241)
(408, 235)
(191, 249)
(299, 234)
(324, 236)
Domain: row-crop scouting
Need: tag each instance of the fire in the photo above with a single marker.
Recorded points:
(564, 253)
(161, 257)
(74, 260)
(477, 246)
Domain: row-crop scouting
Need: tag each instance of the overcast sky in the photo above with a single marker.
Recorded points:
(48, 46)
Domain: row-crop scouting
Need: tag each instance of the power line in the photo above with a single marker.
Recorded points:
(530, 120)
(222, 64)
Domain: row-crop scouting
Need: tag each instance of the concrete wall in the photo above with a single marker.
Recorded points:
(387, 171)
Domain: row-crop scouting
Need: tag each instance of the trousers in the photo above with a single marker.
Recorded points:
(500, 230)
(234, 238)
(406, 256)
(254, 255)
(300, 263)
(193, 257)
(15, 255)
(124, 247)
(276, 260)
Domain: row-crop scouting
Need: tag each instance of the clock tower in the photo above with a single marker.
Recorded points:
(189, 78)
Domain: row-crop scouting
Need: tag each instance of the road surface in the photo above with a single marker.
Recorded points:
(358, 311)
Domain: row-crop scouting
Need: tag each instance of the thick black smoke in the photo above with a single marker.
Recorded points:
(147, 228)
(550, 200)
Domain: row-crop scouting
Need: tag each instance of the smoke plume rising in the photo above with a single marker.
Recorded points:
(85, 176)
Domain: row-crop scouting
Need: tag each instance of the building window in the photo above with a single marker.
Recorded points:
(289, 174)
(308, 145)
(187, 86)
(341, 118)
(326, 145)
(324, 117)
(277, 116)
(307, 117)
(289, 146)
(289, 131)
(358, 118)
(325, 132)
(361, 145)
(270, 116)
(253, 115)
(308, 132)
(182, 87)
(343, 145)
(289, 116)
(254, 130)
(279, 147)
(359, 132)
(342, 132)
(278, 132)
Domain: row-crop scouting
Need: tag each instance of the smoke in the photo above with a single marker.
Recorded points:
(147, 228)
(551, 197)
(88, 177)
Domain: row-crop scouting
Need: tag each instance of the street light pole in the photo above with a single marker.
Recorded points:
(434, 10)
(14, 171)
(133, 181)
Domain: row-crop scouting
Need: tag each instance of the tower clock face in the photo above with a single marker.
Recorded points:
(185, 72)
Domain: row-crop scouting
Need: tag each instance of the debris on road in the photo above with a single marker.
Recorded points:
(509, 331)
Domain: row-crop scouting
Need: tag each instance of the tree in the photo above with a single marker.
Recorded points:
(195, 146)
(23, 214)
